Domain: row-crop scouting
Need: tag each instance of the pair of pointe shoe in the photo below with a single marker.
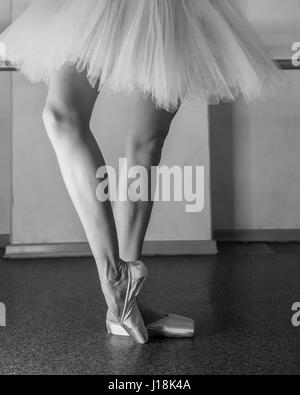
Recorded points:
(132, 323)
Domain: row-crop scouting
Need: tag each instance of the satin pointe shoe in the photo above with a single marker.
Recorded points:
(172, 326)
(131, 321)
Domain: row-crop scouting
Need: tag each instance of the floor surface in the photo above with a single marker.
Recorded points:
(241, 301)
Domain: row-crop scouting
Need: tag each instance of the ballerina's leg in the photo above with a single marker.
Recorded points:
(149, 129)
(66, 116)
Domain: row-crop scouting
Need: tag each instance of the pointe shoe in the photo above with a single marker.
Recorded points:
(172, 326)
(131, 320)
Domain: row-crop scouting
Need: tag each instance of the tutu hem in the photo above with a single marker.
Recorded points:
(170, 51)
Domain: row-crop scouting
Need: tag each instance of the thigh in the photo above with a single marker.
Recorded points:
(71, 91)
(148, 122)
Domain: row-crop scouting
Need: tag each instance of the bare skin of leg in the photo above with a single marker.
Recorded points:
(67, 115)
(149, 129)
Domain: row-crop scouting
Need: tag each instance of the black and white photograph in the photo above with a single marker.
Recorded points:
(150, 190)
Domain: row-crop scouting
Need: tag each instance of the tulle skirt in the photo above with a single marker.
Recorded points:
(169, 49)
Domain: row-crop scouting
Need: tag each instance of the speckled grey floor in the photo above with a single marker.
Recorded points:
(241, 301)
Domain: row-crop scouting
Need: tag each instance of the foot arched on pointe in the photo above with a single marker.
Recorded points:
(125, 307)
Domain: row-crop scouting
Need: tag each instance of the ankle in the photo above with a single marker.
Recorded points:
(110, 316)
(112, 273)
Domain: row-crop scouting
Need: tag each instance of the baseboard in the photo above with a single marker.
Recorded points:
(73, 250)
(181, 247)
(4, 240)
(258, 235)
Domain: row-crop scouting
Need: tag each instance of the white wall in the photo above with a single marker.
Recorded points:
(5, 132)
(5, 16)
(276, 21)
(42, 211)
(256, 162)
(255, 149)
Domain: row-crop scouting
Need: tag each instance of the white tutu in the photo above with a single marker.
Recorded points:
(169, 49)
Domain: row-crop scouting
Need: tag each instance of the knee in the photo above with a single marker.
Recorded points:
(147, 151)
(61, 122)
